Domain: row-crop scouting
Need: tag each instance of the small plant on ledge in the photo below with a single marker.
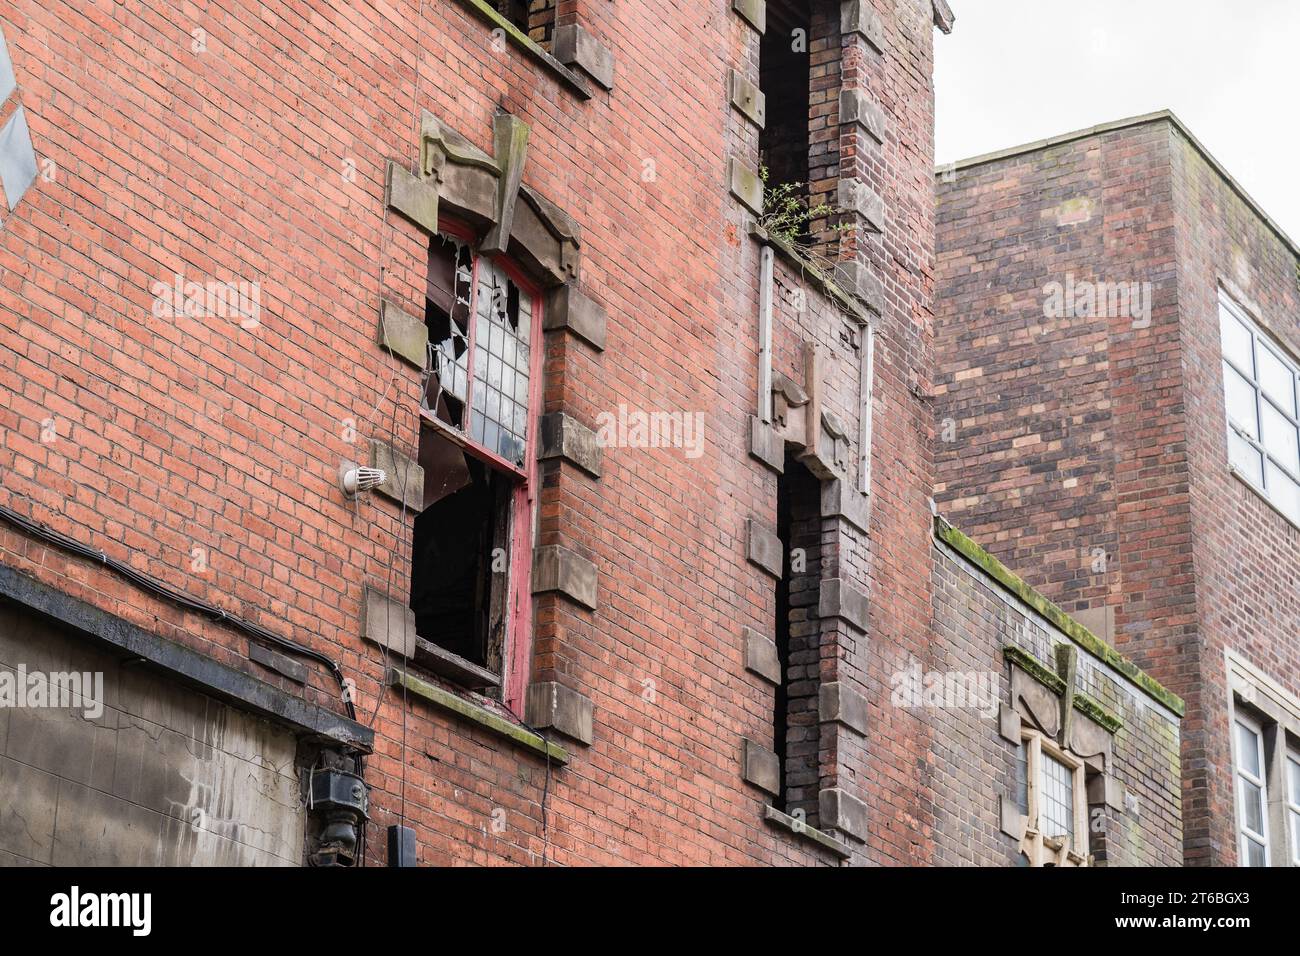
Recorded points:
(787, 216)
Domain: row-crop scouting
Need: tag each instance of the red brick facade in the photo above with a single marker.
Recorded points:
(1089, 451)
(272, 145)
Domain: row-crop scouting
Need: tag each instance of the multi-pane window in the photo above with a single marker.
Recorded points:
(1056, 807)
(1261, 384)
(1293, 804)
(500, 339)
(1050, 792)
(502, 370)
(1252, 793)
(472, 539)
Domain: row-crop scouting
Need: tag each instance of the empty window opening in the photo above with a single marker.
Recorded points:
(536, 18)
(796, 726)
(785, 79)
(459, 562)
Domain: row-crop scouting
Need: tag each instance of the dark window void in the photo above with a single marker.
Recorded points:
(796, 734)
(460, 553)
(534, 17)
(785, 79)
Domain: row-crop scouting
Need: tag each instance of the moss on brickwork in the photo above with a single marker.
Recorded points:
(1087, 640)
(478, 715)
(1096, 711)
(1052, 681)
(1034, 668)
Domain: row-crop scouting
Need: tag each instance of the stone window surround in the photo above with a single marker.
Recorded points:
(1040, 847)
(456, 184)
(1276, 712)
(1046, 711)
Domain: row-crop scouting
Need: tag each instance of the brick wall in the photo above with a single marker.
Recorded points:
(1089, 452)
(252, 146)
(1247, 555)
(1040, 416)
(974, 620)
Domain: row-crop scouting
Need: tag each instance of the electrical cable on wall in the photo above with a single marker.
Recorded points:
(37, 530)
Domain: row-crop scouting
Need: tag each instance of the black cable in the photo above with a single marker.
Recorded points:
(38, 530)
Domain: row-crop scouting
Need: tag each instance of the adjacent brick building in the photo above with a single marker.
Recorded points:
(652, 566)
(1097, 293)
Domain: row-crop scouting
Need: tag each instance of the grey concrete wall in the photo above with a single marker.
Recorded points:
(164, 776)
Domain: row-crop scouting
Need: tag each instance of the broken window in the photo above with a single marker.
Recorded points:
(474, 533)
(447, 315)
(535, 18)
(459, 561)
(796, 725)
(496, 328)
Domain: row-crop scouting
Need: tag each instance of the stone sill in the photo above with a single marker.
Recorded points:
(1240, 476)
(484, 11)
(492, 722)
(824, 283)
(824, 840)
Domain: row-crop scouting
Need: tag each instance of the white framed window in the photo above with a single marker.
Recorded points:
(1252, 792)
(1051, 792)
(1293, 803)
(1261, 386)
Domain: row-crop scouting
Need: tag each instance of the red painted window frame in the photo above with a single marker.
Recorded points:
(516, 657)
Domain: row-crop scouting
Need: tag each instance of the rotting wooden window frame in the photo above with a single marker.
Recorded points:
(1042, 848)
(516, 647)
(1241, 433)
(527, 15)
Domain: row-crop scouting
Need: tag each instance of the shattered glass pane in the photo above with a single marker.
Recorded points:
(7, 81)
(17, 158)
(447, 317)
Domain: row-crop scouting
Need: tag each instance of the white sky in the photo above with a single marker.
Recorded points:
(1014, 71)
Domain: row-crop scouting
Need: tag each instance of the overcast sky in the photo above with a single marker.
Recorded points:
(1014, 71)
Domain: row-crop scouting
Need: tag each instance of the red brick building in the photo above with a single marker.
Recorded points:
(651, 576)
(1118, 337)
